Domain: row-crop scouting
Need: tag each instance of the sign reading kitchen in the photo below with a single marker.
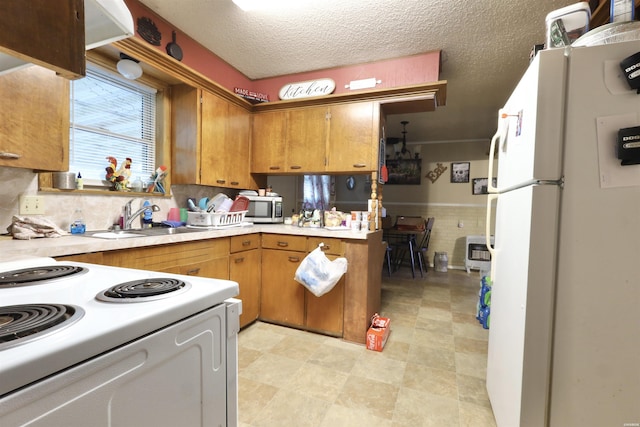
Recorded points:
(308, 89)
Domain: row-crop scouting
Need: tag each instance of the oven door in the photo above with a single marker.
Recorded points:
(173, 377)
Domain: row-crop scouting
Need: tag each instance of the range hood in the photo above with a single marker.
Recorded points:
(106, 21)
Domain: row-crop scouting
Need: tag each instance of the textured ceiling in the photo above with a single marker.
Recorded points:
(485, 46)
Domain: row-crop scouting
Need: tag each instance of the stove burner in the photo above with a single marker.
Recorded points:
(144, 290)
(22, 323)
(37, 275)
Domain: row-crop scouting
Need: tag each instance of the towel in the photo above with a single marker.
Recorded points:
(29, 227)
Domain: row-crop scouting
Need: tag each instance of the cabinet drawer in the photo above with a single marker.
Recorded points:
(331, 246)
(162, 258)
(285, 242)
(244, 243)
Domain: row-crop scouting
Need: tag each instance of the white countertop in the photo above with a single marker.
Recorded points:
(70, 244)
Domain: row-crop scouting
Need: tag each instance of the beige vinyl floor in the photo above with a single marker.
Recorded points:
(430, 373)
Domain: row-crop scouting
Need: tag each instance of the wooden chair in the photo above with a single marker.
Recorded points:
(412, 226)
(387, 223)
(422, 249)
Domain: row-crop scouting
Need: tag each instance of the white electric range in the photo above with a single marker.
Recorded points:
(84, 344)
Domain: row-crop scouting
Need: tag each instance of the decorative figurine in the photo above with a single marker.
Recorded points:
(118, 178)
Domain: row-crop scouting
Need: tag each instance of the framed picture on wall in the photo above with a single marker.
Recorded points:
(481, 185)
(404, 171)
(460, 172)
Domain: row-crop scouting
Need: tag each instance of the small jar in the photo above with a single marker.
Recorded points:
(137, 185)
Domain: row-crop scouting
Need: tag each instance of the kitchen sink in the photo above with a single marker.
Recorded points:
(163, 231)
(111, 235)
(147, 232)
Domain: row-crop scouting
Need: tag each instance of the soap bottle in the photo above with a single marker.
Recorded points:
(147, 215)
(77, 224)
(79, 183)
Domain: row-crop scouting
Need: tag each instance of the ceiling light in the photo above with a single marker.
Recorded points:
(248, 5)
(129, 67)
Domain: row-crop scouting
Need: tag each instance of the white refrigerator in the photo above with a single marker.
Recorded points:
(564, 337)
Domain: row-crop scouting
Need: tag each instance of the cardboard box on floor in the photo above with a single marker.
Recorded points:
(378, 332)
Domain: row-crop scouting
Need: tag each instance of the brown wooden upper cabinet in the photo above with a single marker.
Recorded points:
(210, 140)
(50, 34)
(318, 139)
(34, 103)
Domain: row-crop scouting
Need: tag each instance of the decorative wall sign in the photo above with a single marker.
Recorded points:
(481, 185)
(404, 171)
(435, 174)
(460, 172)
(308, 89)
(251, 96)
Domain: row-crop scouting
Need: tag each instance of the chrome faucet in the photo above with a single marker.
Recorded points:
(128, 217)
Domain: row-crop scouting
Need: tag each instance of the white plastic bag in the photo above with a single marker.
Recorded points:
(318, 273)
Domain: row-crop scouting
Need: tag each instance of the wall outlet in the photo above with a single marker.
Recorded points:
(31, 205)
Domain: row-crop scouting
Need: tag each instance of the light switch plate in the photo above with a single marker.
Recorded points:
(31, 205)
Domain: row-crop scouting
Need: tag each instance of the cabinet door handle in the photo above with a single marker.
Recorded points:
(221, 181)
(274, 168)
(193, 271)
(294, 259)
(325, 247)
(235, 183)
(239, 260)
(283, 244)
(7, 155)
(295, 167)
(359, 165)
(246, 243)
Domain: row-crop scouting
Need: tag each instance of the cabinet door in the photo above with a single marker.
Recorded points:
(244, 268)
(306, 140)
(223, 150)
(268, 142)
(34, 104)
(213, 145)
(282, 298)
(325, 314)
(235, 153)
(352, 145)
(186, 114)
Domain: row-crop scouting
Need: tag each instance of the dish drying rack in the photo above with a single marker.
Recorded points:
(215, 219)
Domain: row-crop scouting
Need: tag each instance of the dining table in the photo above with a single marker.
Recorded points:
(402, 240)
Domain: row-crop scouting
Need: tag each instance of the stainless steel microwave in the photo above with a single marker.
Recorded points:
(264, 209)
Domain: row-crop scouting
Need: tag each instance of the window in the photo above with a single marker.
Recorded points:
(317, 191)
(111, 118)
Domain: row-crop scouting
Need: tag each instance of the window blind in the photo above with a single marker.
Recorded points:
(111, 118)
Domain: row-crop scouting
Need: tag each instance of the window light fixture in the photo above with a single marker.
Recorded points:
(129, 67)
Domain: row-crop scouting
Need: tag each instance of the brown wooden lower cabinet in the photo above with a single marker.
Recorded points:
(264, 266)
(325, 313)
(286, 301)
(204, 258)
(244, 268)
(282, 298)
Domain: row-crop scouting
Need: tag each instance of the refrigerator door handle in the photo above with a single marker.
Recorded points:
(503, 128)
(487, 231)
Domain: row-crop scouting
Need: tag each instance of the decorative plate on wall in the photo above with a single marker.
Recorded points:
(148, 31)
(351, 182)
